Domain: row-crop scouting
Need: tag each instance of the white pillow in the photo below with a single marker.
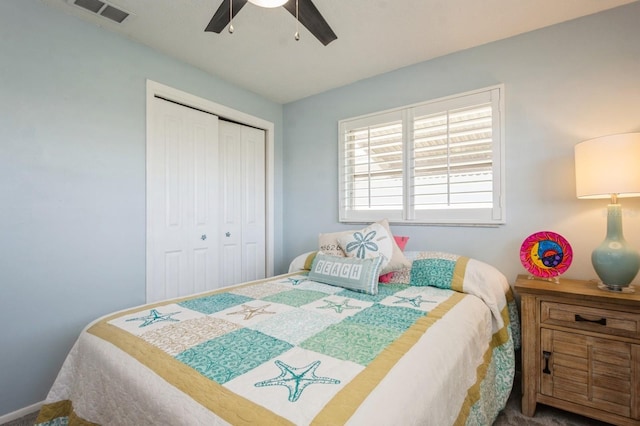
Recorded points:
(373, 241)
(387, 246)
(328, 243)
(398, 260)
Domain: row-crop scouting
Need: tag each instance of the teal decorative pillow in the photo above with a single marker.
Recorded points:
(434, 272)
(355, 274)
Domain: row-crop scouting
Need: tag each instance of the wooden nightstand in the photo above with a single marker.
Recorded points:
(580, 349)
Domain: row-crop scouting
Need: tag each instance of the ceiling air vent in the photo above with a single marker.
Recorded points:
(103, 9)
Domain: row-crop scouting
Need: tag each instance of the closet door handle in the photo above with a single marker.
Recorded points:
(601, 321)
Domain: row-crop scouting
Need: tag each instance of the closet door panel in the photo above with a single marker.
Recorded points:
(182, 176)
(231, 203)
(254, 203)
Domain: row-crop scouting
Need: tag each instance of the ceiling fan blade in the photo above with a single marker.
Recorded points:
(311, 18)
(221, 18)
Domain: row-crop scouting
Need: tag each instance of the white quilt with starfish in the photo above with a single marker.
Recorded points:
(288, 350)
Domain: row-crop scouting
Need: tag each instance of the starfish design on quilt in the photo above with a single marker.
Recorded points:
(362, 243)
(339, 307)
(250, 312)
(414, 301)
(295, 281)
(297, 379)
(154, 317)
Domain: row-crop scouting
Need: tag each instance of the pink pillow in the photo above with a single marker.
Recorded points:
(401, 242)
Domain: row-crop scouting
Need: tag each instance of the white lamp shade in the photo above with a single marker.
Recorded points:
(608, 165)
(268, 3)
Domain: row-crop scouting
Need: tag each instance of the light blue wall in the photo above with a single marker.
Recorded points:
(72, 182)
(564, 84)
(72, 147)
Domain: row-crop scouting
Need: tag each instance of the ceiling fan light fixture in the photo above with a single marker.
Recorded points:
(268, 3)
(305, 12)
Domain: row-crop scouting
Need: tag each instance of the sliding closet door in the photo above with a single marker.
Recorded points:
(242, 187)
(182, 202)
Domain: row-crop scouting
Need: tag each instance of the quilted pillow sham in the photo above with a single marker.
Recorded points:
(352, 273)
(302, 262)
(437, 270)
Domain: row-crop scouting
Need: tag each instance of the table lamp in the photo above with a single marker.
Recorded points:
(609, 166)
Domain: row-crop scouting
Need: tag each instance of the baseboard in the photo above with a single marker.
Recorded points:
(20, 413)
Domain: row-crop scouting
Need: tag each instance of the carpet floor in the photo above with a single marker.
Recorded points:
(544, 415)
(27, 420)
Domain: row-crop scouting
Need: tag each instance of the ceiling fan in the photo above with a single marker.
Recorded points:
(307, 14)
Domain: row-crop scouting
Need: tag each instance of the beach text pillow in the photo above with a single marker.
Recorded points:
(352, 273)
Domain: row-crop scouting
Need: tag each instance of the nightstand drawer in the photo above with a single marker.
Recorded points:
(598, 320)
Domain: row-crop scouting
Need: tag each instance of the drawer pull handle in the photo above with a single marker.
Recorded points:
(546, 356)
(601, 321)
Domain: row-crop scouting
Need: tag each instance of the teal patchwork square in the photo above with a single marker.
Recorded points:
(215, 303)
(348, 341)
(295, 297)
(233, 354)
(384, 291)
(388, 317)
(432, 272)
(307, 324)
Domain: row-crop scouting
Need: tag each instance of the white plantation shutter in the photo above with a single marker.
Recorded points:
(436, 162)
(373, 162)
(454, 158)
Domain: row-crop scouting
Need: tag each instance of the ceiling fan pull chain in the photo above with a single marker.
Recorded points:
(297, 34)
(230, 16)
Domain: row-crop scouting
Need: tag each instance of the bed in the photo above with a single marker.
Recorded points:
(434, 346)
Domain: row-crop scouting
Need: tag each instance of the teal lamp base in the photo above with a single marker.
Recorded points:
(627, 289)
(614, 260)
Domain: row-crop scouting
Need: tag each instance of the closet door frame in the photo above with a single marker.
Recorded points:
(160, 90)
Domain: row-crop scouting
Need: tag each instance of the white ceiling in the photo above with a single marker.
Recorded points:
(374, 36)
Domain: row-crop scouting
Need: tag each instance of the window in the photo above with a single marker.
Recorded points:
(437, 162)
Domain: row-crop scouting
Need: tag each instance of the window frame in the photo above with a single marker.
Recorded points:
(493, 216)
